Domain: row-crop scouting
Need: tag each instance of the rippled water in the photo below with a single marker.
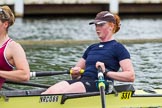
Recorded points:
(146, 57)
(79, 28)
(147, 63)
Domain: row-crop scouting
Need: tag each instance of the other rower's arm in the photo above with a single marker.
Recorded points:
(17, 57)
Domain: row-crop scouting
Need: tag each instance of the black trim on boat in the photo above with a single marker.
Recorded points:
(29, 84)
(22, 92)
(118, 88)
(126, 87)
(149, 91)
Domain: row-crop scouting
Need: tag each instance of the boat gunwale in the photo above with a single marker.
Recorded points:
(37, 92)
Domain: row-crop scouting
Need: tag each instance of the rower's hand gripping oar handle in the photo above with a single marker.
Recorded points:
(81, 71)
(76, 77)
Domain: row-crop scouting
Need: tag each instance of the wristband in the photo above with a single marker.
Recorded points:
(106, 71)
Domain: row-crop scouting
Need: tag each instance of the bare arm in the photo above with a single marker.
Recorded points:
(127, 74)
(81, 63)
(16, 56)
(76, 70)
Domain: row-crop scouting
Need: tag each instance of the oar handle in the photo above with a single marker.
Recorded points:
(81, 71)
(100, 74)
(99, 69)
(47, 73)
(101, 86)
(50, 73)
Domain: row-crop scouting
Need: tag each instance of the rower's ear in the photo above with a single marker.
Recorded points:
(6, 24)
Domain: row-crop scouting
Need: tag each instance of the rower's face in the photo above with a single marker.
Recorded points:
(102, 30)
(2, 26)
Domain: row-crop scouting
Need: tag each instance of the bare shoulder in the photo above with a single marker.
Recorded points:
(14, 45)
(15, 53)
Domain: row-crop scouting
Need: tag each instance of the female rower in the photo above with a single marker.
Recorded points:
(109, 54)
(13, 62)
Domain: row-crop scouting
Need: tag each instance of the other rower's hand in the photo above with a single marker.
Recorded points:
(75, 72)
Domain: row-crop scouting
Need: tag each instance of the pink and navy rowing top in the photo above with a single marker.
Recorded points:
(4, 64)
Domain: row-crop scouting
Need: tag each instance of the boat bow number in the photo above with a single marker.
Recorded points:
(50, 98)
(126, 95)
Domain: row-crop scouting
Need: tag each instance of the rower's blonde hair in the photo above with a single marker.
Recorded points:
(7, 15)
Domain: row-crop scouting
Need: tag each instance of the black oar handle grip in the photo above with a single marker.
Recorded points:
(100, 74)
(50, 73)
(99, 69)
(47, 73)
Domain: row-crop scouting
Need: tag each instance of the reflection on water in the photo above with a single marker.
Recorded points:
(146, 57)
